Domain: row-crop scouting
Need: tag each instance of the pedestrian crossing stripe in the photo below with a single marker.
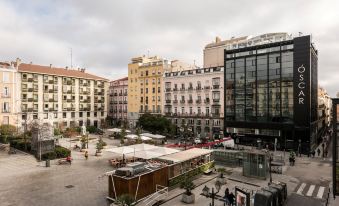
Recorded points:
(310, 190)
(301, 188)
(318, 192)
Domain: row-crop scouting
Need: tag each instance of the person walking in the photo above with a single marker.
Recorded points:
(227, 193)
(86, 155)
(231, 198)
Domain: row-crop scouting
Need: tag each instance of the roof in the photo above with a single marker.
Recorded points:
(144, 151)
(121, 79)
(185, 155)
(39, 69)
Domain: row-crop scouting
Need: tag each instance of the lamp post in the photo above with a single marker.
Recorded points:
(206, 192)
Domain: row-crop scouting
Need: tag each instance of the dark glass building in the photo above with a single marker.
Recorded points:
(271, 93)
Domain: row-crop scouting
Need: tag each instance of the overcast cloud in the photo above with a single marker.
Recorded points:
(105, 34)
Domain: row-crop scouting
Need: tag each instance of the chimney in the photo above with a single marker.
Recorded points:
(217, 39)
(31, 62)
(50, 65)
(18, 61)
(66, 67)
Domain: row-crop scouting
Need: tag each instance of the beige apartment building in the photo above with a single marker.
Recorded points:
(9, 89)
(145, 76)
(144, 86)
(214, 52)
(195, 98)
(118, 90)
(62, 96)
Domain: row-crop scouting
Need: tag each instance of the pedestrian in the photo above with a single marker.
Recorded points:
(313, 153)
(318, 152)
(69, 159)
(227, 193)
(86, 155)
(231, 198)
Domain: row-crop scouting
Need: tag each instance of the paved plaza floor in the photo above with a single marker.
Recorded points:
(25, 181)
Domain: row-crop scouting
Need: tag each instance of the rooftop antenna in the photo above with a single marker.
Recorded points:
(148, 53)
(71, 58)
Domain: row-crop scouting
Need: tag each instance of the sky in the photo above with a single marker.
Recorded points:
(105, 34)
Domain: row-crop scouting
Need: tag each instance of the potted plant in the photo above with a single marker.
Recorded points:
(125, 200)
(221, 177)
(187, 197)
(99, 147)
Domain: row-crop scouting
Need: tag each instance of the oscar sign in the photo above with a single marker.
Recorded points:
(301, 84)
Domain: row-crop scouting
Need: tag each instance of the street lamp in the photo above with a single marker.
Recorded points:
(206, 192)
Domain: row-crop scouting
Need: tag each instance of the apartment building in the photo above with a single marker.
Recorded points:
(62, 96)
(10, 100)
(214, 52)
(324, 108)
(144, 86)
(195, 98)
(118, 101)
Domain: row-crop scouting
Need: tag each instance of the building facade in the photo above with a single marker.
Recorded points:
(144, 86)
(118, 101)
(62, 97)
(214, 52)
(9, 91)
(324, 108)
(271, 92)
(195, 98)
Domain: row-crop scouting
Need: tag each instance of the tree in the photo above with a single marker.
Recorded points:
(70, 132)
(188, 185)
(138, 133)
(7, 130)
(155, 123)
(122, 135)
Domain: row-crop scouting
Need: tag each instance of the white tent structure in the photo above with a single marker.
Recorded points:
(143, 151)
(117, 130)
(154, 136)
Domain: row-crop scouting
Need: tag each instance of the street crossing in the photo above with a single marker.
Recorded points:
(312, 190)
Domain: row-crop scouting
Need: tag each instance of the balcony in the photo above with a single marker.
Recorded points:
(216, 86)
(190, 101)
(85, 92)
(168, 89)
(182, 101)
(125, 102)
(198, 88)
(190, 88)
(182, 89)
(207, 87)
(216, 115)
(216, 100)
(5, 95)
(30, 79)
(100, 85)
(120, 94)
(207, 101)
(115, 94)
(30, 89)
(168, 101)
(198, 101)
(175, 101)
(50, 81)
(6, 111)
(125, 93)
(175, 89)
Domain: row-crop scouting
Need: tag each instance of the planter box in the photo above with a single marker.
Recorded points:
(188, 199)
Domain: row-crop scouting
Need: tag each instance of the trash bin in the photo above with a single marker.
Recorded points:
(48, 163)
(281, 193)
(284, 189)
(274, 193)
(263, 198)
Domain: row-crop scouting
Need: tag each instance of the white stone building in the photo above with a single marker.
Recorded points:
(196, 98)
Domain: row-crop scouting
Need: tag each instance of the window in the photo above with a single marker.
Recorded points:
(73, 114)
(6, 92)
(95, 114)
(55, 115)
(5, 107)
(64, 115)
(141, 90)
(183, 110)
(146, 73)
(35, 116)
(5, 77)
(153, 90)
(232, 64)
(146, 90)
(5, 120)
(158, 89)
(45, 115)
(191, 110)
(88, 114)
(277, 59)
(158, 80)
(158, 98)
